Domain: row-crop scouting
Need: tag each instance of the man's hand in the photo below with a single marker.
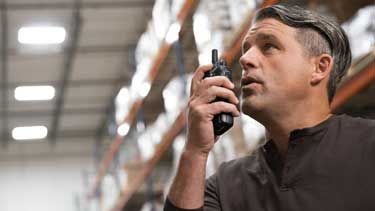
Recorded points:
(187, 190)
(202, 109)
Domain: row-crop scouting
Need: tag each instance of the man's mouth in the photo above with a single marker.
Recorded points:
(249, 81)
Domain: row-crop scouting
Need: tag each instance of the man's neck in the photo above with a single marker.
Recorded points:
(279, 132)
(280, 125)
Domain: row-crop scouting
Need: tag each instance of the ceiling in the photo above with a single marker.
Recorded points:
(87, 70)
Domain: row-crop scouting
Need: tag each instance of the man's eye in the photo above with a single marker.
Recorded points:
(268, 46)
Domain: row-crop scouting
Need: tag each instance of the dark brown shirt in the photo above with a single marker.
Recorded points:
(328, 167)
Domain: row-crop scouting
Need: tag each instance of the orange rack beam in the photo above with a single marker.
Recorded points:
(353, 85)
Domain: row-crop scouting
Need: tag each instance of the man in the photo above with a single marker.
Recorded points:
(292, 62)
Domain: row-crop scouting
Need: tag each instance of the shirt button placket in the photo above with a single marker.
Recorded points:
(285, 184)
(284, 187)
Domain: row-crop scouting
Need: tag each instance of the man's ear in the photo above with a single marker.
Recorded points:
(323, 66)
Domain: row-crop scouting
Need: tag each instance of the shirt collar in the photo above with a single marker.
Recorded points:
(270, 150)
(309, 131)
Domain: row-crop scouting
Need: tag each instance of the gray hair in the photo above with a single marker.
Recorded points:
(318, 35)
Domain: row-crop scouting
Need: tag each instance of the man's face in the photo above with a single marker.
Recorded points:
(275, 69)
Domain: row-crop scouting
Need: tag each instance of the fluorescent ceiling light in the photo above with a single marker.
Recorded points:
(29, 133)
(145, 89)
(201, 29)
(173, 33)
(123, 129)
(41, 35)
(27, 93)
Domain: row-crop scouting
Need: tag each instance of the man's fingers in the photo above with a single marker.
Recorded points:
(199, 74)
(218, 81)
(214, 92)
(223, 107)
(208, 111)
(226, 94)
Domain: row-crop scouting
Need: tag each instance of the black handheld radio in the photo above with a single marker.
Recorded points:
(223, 121)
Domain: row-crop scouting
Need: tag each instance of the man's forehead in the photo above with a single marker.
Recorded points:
(269, 25)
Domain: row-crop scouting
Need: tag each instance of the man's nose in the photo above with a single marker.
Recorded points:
(248, 60)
